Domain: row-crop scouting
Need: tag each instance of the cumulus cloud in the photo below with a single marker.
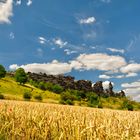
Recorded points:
(131, 68)
(89, 20)
(132, 89)
(18, 2)
(59, 42)
(13, 67)
(131, 85)
(99, 61)
(54, 67)
(104, 76)
(116, 50)
(131, 74)
(29, 2)
(6, 11)
(106, 84)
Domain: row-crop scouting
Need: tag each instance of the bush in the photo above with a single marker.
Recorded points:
(41, 85)
(127, 105)
(38, 97)
(69, 102)
(66, 95)
(49, 86)
(93, 100)
(100, 105)
(78, 94)
(130, 107)
(57, 89)
(1, 96)
(27, 95)
(67, 98)
(62, 102)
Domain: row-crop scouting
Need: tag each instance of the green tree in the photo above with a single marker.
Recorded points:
(21, 76)
(2, 72)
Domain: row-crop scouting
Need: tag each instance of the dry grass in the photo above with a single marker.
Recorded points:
(38, 121)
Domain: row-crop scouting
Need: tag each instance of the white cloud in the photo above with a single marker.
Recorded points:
(132, 89)
(6, 12)
(18, 2)
(29, 2)
(104, 76)
(131, 74)
(59, 42)
(13, 67)
(106, 84)
(99, 61)
(88, 20)
(116, 50)
(54, 67)
(119, 76)
(131, 85)
(12, 35)
(69, 52)
(42, 40)
(131, 68)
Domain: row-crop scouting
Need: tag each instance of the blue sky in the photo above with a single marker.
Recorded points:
(88, 39)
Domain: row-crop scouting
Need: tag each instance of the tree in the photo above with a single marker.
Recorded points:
(21, 76)
(2, 72)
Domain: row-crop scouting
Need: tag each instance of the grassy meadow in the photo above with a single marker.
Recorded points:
(39, 121)
(14, 91)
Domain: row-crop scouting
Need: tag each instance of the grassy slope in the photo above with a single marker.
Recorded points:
(12, 90)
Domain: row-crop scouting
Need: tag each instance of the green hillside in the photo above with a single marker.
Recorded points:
(14, 91)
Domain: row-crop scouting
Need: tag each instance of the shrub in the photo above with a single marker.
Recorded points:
(66, 95)
(62, 102)
(57, 89)
(100, 105)
(1, 96)
(67, 98)
(38, 97)
(130, 107)
(49, 86)
(93, 100)
(27, 95)
(78, 94)
(41, 85)
(127, 105)
(69, 102)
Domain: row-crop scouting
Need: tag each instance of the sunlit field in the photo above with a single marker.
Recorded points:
(40, 121)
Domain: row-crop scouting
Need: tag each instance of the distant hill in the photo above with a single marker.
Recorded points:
(56, 93)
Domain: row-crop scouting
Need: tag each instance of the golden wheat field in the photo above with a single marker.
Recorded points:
(39, 121)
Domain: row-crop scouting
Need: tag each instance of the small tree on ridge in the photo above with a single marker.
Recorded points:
(21, 76)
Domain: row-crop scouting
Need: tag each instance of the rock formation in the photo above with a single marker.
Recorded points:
(69, 82)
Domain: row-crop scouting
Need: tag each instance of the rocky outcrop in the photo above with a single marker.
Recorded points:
(69, 82)
(98, 88)
(84, 85)
(120, 94)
